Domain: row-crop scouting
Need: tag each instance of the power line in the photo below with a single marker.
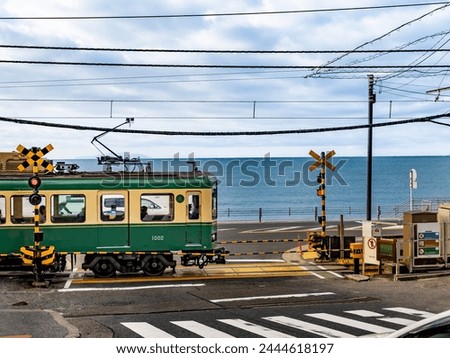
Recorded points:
(279, 12)
(219, 51)
(327, 64)
(105, 100)
(227, 133)
(298, 67)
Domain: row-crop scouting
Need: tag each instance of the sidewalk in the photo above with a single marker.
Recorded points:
(26, 323)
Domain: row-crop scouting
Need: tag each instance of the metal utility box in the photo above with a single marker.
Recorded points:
(422, 248)
(444, 224)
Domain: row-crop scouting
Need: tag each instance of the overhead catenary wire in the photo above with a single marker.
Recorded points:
(212, 51)
(404, 70)
(229, 133)
(174, 65)
(249, 13)
(327, 64)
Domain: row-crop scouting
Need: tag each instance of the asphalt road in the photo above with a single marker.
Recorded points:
(133, 306)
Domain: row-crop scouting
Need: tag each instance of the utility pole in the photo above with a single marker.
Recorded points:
(371, 101)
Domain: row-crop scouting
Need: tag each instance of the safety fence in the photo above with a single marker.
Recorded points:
(333, 213)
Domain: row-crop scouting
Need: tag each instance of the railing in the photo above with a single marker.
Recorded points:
(333, 213)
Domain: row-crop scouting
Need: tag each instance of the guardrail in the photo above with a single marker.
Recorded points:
(312, 212)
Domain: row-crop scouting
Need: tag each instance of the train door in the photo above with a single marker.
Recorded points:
(114, 223)
(193, 220)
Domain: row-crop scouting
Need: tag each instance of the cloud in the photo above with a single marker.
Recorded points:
(202, 99)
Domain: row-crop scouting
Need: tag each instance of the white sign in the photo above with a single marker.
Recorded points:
(369, 244)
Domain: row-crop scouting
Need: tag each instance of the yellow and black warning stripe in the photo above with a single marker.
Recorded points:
(34, 157)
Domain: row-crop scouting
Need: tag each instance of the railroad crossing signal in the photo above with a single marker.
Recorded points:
(34, 157)
(36, 255)
(322, 162)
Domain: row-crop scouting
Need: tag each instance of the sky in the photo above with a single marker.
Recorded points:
(290, 65)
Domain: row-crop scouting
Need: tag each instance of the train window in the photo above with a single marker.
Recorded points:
(2, 209)
(68, 208)
(157, 207)
(113, 207)
(22, 212)
(194, 206)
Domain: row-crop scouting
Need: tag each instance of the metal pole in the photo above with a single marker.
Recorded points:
(371, 100)
(341, 238)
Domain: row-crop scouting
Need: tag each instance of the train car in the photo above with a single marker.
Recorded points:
(117, 221)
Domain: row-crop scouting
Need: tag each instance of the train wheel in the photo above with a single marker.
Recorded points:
(104, 268)
(154, 267)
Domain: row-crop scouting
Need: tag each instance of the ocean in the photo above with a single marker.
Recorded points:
(268, 189)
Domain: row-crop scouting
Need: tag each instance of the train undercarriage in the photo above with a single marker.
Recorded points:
(152, 264)
(107, 265)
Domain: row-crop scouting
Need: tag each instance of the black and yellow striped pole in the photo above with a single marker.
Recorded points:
(35, 158)
(321, 193)
(322, 162)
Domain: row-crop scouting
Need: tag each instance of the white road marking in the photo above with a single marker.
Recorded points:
(201, 329)
(284, 228)
(410, 311)
(85, 289)
(365, 313)
(70, 279)
(271, 297)
(381, 317)
(330, 272)
(309, 327)
(270, 229)
(312, 272)
(398, 320)
(146, 330)
(350, 322)
(254, 328)
(319, 228)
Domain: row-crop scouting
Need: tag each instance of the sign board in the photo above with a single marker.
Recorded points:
(369, 244)
(356, 250)
(427, 240)
(370, 251)
(387, 249)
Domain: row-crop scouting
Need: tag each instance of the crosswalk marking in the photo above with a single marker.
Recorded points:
(410, 311)
(146, 330)
(256, 329)
(351, 322)
(201, 329)
(365, 313)
(397, 320)
(309, 327)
